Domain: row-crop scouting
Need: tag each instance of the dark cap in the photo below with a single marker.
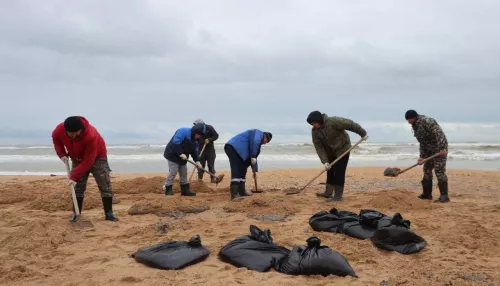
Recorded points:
(315, 116)
(410, 114)
(73, 124)
(269, 135)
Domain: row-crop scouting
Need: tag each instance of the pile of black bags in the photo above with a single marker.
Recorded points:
(390, 233)
(172, 255)
(255, 251)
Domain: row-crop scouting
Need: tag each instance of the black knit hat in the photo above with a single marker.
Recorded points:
(73, 124)
(410, 114)
(315, 116)
(268, 135)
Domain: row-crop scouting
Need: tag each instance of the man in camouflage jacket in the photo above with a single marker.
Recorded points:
(331, 140)
(432, 140)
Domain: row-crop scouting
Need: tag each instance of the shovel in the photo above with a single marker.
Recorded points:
(194, 169)
(293, 191)
(78, 223)
(394, 172)
(255, 182)
(218, 179)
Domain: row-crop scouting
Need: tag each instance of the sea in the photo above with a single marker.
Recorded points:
(148, 158)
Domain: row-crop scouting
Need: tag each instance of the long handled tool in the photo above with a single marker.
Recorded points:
(218, 179)
(293, 191)
(255, 181)
(78, 223)
(394, 172)
(194, 169)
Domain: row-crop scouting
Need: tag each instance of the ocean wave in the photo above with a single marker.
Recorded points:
(264, 157)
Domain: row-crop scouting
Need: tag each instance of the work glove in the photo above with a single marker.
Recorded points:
(64, 159)
(253, 161)
(207, 141)
(183, 157)
(327, 166)
(71, 183)
(198, 165)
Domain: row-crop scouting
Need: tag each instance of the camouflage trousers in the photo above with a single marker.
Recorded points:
(437, 164)
(100, 170)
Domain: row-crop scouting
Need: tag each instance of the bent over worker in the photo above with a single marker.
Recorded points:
(181, 145)
(432, 140)
(208, 156)
(331, 140)
(88, 153)
(242, 151)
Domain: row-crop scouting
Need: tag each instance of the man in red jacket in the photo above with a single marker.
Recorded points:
(88, 154)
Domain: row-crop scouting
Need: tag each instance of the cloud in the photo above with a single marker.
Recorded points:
(143, 64)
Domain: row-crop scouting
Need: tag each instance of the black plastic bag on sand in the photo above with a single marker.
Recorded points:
(255, 251)
(314, 259)
(332, 221)
(394, 234)
(173, 255)
(366, 226)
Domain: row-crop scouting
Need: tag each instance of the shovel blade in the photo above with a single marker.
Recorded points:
(79, 224)
(292, 191)
(219, 179)
(391, 172)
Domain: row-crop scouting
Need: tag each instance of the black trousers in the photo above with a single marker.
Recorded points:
(238, 166)
(336, 175)
(208, 157)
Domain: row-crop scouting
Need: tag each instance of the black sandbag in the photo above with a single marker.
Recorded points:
(255, 251)
(394, 234)
(366, 226)
(314, 259)
(172, 255)
(332, 221)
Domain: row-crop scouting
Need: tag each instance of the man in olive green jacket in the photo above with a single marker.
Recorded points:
(331, 140)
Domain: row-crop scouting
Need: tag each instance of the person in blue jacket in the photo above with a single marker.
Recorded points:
(183, 143)
(243, 150)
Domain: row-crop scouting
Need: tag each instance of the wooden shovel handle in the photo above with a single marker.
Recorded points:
(72, 191)
(333, 163)
(416, 164)
(194, 169)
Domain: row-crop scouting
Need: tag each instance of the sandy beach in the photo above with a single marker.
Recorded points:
(39, 246)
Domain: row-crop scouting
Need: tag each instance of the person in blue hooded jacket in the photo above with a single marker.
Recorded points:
(242, 151)
(181, 145)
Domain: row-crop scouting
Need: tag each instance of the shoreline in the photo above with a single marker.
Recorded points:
(370, 169)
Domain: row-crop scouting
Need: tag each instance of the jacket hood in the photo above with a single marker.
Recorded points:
(199, 128)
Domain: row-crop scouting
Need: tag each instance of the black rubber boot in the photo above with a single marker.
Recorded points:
(185, 191)
(80, 207)
(168, 190)
(108, 209)
(327, 193)
(339, 192)
(426, 190)
(242, 190)
(443, 190)
(235, 192)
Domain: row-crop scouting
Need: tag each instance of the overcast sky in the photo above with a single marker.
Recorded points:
(138, 70)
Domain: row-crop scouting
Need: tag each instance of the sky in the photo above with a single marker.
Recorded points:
(138, 70)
